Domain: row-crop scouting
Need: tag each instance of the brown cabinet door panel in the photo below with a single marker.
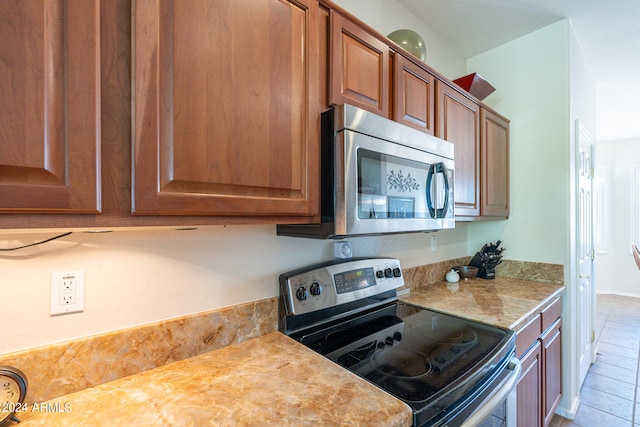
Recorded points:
(495, 164)
(552, 368)
(49, 106)
(414, 90)
(529, 389)
(459, 123)
(226, 107)
(359, 67)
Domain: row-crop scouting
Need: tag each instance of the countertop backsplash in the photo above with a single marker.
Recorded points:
(429, 274)
(62, 368)
(534, 271)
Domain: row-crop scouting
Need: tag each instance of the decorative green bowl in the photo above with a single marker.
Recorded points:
(411, 41)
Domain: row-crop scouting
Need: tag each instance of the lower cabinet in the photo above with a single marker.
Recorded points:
(530, 388)
(539, 347)
(552, 370)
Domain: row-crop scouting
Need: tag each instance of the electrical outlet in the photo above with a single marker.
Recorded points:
(434, 243)
(67, 292)
(68, 289)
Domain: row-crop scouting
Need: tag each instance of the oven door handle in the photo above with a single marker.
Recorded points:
(494, 402)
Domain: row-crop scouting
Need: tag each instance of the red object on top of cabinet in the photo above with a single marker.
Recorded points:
(475, 85)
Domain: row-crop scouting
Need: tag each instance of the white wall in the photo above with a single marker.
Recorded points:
(617, 271)
(137, 277)
(386, 16)
(582, 108)
(543, 84)
(531, 77)
(583, 90)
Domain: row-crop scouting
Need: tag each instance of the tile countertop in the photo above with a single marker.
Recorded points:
(505, 302)
(269, 380)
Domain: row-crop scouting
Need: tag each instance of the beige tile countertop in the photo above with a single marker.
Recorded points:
(505, 302)
(269, 380)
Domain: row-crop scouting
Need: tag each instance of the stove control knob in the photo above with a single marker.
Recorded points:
(381, 345)
(379, 274)
(397, 336)
(397, 272)
(302, 293)
(315, 288)
(388, 272)
(388, 341)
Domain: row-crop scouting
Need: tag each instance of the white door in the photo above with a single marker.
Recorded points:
(586, 299)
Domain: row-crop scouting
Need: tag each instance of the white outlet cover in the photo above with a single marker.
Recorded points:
(57, 308)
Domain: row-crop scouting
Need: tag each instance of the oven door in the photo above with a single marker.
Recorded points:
(496, 407)
(390, 188)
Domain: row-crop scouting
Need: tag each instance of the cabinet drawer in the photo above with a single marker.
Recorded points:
(551, 314)
(528, 335)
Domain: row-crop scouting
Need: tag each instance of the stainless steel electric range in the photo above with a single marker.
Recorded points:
(449, 370)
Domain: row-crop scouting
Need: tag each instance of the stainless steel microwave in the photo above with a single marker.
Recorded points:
(379, 177)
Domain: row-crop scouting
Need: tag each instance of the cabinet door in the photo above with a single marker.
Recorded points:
(552, 371)
(226, 107)
(459, 123)
(49, 106)
(494, 141)
(359, 67)
(414, 95)
(529, 389)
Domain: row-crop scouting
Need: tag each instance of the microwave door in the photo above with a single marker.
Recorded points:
(387, 183)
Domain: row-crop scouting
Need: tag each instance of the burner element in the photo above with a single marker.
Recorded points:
(453, 348)
(402, 363)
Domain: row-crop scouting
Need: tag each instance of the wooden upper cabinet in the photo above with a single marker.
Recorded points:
(359, 67)
(414, 95)
(226, 109)
(459, 123)
(49, 106)
(494, 141)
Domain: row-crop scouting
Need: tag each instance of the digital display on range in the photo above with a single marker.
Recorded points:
(354, 280)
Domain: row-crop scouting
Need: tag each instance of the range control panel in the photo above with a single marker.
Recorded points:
(328, 285)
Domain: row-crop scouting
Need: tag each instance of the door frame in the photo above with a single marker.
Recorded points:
(582, 136)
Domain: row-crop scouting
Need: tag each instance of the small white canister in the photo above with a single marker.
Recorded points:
(452, 276)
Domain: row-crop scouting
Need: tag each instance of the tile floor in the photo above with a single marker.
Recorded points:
(610, 395)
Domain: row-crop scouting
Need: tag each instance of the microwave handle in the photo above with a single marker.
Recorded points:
(431, 204)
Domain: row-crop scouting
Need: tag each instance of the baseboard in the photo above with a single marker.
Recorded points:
(622, 294)
(569, 413)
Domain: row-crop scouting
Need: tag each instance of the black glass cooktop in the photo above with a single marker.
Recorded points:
(428, 359)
